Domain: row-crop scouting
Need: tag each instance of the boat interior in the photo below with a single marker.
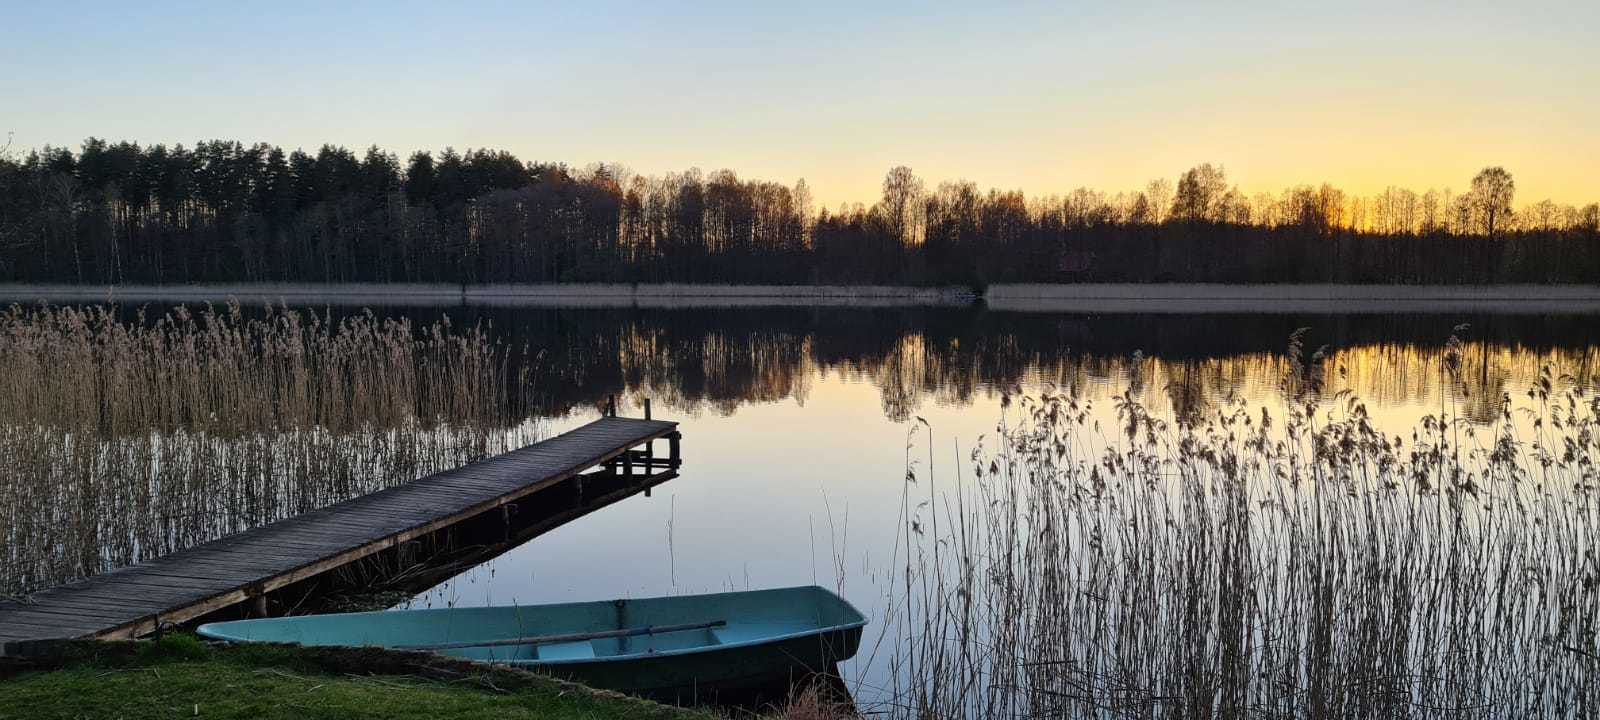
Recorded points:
(725, 619)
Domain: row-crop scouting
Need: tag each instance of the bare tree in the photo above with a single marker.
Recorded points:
(1432, 212)
(1159, 193)
(803, 206)
(1543, 216)
(1140, 211)
(1200, 193)
(1395, 212)
(1490, 198)
(1589, 217)
(902, 192)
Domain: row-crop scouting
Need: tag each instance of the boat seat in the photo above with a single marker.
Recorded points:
(567, 650)
(750, 632)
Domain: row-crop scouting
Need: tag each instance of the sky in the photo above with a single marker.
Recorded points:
(1042, 97)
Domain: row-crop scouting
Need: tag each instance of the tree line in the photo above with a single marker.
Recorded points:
(223, 211)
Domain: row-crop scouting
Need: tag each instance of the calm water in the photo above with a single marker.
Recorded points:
(796, 422)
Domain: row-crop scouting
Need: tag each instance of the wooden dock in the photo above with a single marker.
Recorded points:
(241, 569)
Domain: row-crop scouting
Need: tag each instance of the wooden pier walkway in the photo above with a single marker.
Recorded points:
(135, 600)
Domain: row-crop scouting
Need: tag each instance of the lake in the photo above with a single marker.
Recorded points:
(800, 423)
(848, 446)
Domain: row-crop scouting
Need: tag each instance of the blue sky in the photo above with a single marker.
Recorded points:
(1040, 96)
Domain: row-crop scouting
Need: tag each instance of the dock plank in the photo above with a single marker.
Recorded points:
(192, 582)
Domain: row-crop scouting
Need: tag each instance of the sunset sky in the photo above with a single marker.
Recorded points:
(1043, 97)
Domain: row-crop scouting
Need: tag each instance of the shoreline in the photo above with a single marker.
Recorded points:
(1196, 298)
(1175, 298)
(666, 295)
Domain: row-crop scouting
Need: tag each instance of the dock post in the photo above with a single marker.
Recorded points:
(649, 454)
(672, 453)
(647, 408)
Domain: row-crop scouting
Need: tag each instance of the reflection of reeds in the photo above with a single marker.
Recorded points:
(1244, 564)
(126, 440)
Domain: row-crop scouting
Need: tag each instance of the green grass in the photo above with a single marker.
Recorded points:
(181, 677)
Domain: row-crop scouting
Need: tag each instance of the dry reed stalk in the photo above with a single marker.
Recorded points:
(1243, 565)
(127, 440)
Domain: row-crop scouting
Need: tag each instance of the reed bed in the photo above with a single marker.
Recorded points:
(1246, 564)
(123, 439)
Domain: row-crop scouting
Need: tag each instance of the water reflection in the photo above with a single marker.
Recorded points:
(750, 381)
(717, 360)
(800, 420)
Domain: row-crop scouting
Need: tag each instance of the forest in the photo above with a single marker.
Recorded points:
(224, 211)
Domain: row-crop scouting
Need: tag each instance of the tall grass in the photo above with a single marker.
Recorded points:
(121, 440)
(1243, 564)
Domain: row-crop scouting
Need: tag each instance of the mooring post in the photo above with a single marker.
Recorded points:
(647, 408)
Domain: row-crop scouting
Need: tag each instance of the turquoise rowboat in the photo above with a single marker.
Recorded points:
(679, 647)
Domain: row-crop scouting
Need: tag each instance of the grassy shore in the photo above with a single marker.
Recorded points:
(181, 677)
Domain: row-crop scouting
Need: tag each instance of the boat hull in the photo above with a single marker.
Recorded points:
(677, 648)
(737, 672)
